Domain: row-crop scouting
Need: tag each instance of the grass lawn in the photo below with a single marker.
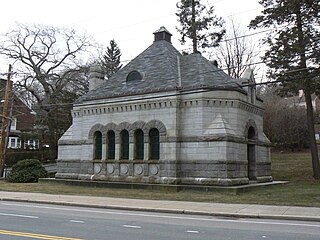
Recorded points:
(293, 166)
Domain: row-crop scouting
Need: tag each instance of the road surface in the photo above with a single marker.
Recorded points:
(41, 221)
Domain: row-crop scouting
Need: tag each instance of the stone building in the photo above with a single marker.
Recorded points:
(167, 118)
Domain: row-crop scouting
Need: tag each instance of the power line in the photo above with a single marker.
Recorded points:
(211, 71)
(205, 88)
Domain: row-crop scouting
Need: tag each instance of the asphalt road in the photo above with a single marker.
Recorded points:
(39, 221)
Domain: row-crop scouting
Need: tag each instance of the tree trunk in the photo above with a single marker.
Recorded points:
(194, 28)
(313, 143)
(53, 141)
(307, 92)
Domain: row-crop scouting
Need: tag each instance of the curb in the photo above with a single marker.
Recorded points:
(175, 211)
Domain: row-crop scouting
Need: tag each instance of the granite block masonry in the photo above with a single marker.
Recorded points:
(167, 118)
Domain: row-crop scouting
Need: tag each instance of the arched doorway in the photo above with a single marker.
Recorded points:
(251, 154)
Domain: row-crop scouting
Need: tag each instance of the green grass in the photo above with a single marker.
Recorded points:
(292, 166)
(302, 190)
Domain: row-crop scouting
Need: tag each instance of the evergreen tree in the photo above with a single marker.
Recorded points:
(199, 24)
(293, 54)
(111, 59)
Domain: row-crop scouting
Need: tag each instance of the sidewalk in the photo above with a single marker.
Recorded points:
(201, 208)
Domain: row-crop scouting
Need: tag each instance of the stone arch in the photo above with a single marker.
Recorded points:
(120, 127)
(110, 140)
(110, 126)
(158, 125)
(251, 124)
(140, 125)
(96, 127)
(123, 125)
(162, 133)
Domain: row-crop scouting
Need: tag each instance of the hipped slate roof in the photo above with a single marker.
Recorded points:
(163, 68)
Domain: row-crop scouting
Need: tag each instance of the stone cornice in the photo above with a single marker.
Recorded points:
(163, 104)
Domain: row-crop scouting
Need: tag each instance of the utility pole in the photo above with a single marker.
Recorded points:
(4, 122)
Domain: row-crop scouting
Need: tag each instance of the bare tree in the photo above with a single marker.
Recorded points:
(235, 52)
(278, 111)
(46, 60)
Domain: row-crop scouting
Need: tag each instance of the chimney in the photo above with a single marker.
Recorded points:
(162, 34)
(96, 77)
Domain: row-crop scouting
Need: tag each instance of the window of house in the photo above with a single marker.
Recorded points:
(154, 141)
(14, 142)
(134, 76)
(19, 143)
(124, 141)
(13, 125)
(111, 144)
(97, 145)
(138, 144)
(32, 144)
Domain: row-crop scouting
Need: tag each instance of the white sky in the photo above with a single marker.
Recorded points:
(130, 22)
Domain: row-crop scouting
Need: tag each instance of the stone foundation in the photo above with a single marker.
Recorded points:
(224, 173)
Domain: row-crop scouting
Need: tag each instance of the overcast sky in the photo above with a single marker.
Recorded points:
(130, 22)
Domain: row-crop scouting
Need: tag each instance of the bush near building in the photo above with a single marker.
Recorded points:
(285, 125)
(28, 170)
(15, 155)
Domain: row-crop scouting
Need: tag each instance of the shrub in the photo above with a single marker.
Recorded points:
(285, 125)
(28, 170)
(15, 155)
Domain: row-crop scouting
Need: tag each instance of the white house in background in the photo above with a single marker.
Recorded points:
(300, 101)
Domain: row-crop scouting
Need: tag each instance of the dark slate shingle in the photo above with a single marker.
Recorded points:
(159, 66)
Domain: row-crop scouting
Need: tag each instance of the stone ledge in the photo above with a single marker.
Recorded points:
(252, 186)
(186, 139)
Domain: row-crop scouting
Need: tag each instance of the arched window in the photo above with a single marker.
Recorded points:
(138, 144)
(134, 76)
(97, 145)
(124, 141)
(154, 142)
(111, 140)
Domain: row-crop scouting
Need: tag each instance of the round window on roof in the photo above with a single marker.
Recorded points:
(134, 76)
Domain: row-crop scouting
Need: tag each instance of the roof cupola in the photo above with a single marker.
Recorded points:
(162, 34)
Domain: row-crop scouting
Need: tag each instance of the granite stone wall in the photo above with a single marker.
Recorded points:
(203, 139)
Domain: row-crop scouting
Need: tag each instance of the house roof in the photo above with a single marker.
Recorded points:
(163, 68)
(3, 83)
